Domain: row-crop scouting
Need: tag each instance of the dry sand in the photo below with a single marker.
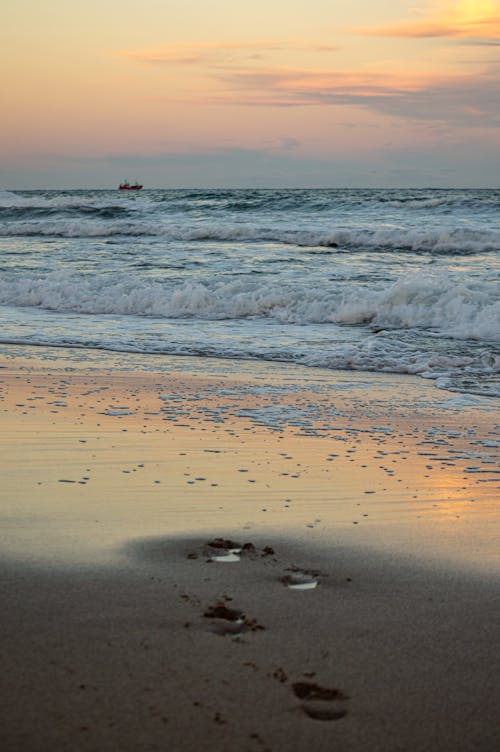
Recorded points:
(126, 626)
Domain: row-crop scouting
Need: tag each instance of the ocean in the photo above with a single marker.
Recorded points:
(387, 280)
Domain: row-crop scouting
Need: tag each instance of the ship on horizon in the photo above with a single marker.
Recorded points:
(126, 186)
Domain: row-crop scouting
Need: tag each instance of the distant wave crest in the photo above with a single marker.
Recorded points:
(460, 240)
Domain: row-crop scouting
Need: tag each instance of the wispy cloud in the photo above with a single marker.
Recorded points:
(192, 53)
(458, 19)
(469, 100)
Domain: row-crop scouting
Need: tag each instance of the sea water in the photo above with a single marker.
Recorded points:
(401, 281)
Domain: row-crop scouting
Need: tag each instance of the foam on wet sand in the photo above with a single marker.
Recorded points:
(356, 516)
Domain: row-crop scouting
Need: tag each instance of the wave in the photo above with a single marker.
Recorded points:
(255, 200)
(52, 200)
(488, 203)
(459, 240)
(436, 303)
(422, 203)
(39, 213)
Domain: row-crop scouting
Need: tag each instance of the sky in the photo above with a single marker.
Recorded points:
(267, 93)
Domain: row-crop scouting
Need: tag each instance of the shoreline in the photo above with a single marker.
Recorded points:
(117, 623)
(17, 349)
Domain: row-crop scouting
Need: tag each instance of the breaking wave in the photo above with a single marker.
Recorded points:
(460, 240)
(458, 309)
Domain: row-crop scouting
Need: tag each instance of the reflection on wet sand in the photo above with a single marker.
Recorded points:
(95, 456)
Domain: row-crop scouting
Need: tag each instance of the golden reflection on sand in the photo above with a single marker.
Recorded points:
(93, 458)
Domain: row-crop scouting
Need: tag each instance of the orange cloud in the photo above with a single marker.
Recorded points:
(467, 100)
(461, 19)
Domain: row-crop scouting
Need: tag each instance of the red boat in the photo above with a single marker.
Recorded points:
(126, 186)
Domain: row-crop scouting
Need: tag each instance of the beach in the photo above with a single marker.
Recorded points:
(250, 377)
(225, 554)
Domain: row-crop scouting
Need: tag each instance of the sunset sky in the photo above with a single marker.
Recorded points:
(186, 93)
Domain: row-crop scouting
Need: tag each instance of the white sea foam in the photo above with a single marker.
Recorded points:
(392, 356)
(458, 309)
(378, 354)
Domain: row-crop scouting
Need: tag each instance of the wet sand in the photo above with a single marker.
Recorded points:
(218, 556)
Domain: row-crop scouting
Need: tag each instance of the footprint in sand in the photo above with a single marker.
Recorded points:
(300, 580)
(220, 550)
(227, 556)
(226, 620)
(226, 551)
(320, 703)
